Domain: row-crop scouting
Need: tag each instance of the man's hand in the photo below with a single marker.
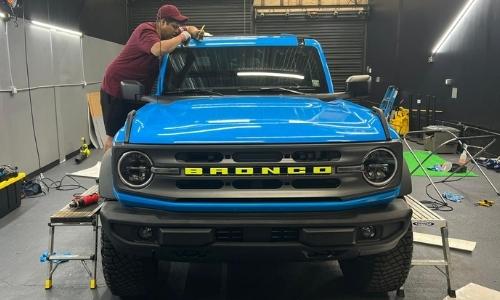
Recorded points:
(195, 32)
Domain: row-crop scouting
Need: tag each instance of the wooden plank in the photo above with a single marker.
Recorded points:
(428, 262)
(474, 291)
(94, 103)
(69, 214)
(423, 210)
(436, 240)
(92, 173)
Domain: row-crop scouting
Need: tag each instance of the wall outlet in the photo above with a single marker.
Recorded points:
(13, 90)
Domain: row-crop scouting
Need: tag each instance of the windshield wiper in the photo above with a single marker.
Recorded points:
(194, 91)
(274, 89)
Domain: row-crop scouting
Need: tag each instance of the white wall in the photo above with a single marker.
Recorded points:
(56, 115)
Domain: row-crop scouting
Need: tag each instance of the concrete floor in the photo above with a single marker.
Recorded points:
(24, 236)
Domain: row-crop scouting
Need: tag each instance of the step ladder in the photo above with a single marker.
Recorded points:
(387, 102)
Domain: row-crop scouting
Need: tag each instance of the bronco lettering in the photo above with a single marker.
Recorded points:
(249, 171)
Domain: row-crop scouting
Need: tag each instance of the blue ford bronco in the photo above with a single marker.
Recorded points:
(246, 153)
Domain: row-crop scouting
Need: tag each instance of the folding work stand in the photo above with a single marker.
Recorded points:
(68, 216)
(424, 217)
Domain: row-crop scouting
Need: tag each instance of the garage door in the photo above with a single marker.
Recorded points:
(228, 17)
(343, 41)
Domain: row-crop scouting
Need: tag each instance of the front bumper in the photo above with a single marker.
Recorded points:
(252, 236)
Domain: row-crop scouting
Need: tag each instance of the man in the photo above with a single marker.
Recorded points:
(139, 60)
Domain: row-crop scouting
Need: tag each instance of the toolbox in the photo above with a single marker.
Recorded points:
(10, 194)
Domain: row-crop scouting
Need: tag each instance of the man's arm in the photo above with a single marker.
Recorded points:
(167, 46)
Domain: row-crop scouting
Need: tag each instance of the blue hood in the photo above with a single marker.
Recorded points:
(254, 119)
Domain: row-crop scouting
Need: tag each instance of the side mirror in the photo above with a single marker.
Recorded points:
(358, 85)
(132, 90)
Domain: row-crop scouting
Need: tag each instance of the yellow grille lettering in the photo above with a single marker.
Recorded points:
(219, 171)
(249, 171)
(193, 171)
(296, 170)
(322, 170)
(273, 170)
(243, 171)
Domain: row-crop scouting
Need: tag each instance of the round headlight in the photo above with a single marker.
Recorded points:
(379, 167)
(134, 169)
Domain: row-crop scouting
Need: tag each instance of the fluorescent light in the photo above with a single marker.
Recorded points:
(271, 74)
(452, 26)
(56, 28)
(2, 15)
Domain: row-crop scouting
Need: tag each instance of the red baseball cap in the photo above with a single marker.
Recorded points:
(171, 12)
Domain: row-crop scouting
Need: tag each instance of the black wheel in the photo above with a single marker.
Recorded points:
(127, 276)
(381, 272)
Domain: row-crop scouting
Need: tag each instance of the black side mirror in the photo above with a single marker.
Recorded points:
(132, 90)
(358, 85)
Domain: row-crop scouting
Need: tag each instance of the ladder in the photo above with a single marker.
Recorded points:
(388, 101)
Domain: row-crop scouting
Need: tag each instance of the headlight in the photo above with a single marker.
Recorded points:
(134, 169)
(379, 167)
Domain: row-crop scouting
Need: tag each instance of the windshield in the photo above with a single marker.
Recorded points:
(229, 70)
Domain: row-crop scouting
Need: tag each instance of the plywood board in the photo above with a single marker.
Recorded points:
(92, 134)
(92, 172)
(94, 101)
(474, 291)
(436, 240)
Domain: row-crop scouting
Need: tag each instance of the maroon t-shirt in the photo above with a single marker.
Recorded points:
(135, 61)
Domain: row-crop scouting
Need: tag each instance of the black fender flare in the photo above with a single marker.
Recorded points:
(106, 176)
(406, 187)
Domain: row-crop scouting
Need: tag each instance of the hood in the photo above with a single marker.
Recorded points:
(253, 119)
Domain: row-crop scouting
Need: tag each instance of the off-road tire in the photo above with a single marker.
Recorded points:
(381, 272)
(127, 276)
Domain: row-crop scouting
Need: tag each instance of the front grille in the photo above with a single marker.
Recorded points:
(258, 184)
(257, 172)
(317, 183)
(310, 156)
(248, 184)
(268, 156)
(273, 156)
(190, 157)
(199, 184)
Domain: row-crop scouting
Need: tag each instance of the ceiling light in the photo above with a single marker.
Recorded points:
(271, 74)
(452, 27)
(56, 28)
